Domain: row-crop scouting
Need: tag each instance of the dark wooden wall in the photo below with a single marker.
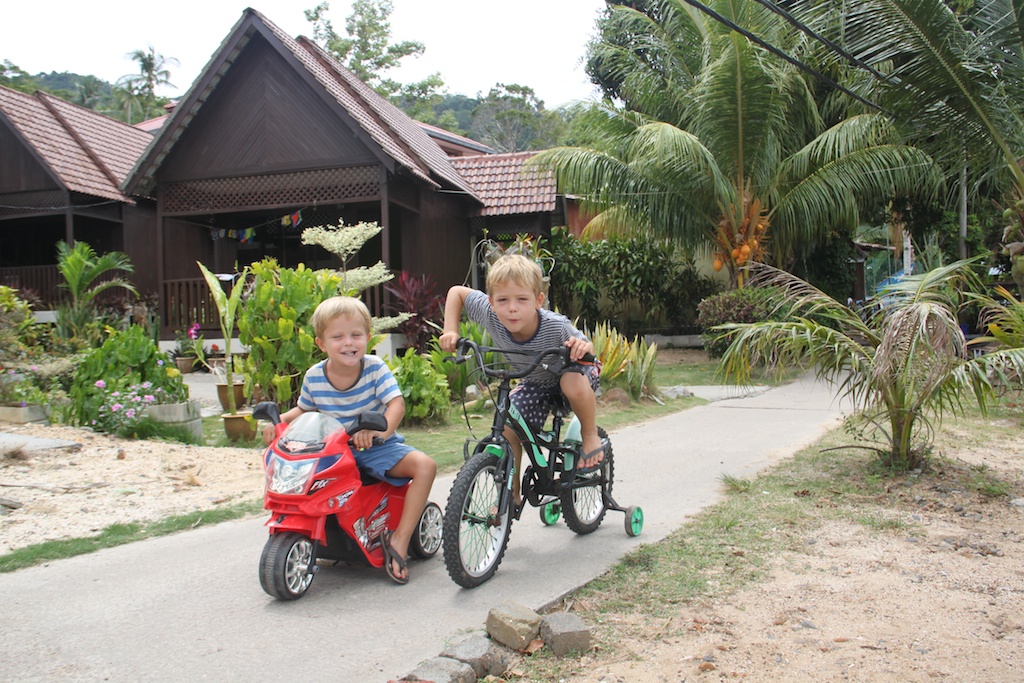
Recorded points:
(20, 171)
(262, 119)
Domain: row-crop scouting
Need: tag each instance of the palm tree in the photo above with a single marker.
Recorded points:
(904, 365)
(718, 141)
(955, 82)
(152, 73)
(82, 271)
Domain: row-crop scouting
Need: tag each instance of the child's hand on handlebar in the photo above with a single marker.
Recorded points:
(447, 341)
(269, 434)
(366, 438)
(578, 348)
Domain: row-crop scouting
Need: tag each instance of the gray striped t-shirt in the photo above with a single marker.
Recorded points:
(554, 330)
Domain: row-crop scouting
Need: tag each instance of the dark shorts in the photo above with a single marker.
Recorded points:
(377, 460)
(535, 401)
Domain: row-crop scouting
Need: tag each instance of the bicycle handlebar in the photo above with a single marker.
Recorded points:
(560, 352)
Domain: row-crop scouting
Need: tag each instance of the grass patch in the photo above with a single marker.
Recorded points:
(119, 534)
(728, 546)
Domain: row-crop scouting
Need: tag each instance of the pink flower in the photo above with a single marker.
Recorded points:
(193, 331)
(100, 384)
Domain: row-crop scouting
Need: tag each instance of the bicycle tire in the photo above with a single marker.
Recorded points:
(474, 537)
(584, 508)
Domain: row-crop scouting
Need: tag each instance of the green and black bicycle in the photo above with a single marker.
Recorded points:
(480, 510)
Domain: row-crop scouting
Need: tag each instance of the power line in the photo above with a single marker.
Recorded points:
(799, 25)
(779, 53)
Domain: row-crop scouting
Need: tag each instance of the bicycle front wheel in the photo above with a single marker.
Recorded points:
(475, 535)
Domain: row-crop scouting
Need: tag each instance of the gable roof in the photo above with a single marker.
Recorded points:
(84, 151)
(505, 186)
(400, 141)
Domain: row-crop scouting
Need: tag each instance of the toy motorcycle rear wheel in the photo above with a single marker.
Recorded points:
(429, 532)
(285, 565)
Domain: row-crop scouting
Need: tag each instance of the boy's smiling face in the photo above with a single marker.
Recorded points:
(516, 307)
(344, 341)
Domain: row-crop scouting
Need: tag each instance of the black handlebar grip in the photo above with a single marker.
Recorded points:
(588, 358)
(377, 441)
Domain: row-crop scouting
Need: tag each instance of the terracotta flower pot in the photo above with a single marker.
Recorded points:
(185, 363)
(222, 394)
(238, 428)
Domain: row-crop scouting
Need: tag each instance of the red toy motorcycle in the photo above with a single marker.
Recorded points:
(323, 507)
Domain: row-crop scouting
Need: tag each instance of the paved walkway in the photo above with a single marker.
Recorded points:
(189, 606)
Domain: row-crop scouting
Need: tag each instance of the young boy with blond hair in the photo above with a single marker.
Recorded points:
(512, 314)
(350, 382)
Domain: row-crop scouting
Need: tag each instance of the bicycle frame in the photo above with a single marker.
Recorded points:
(546, 451)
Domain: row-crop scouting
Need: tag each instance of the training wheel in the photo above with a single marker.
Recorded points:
(634, 520)
(551, 513)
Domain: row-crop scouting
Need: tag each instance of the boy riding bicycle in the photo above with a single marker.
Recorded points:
(511, 313)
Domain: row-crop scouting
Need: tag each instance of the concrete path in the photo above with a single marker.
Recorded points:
(189, 606)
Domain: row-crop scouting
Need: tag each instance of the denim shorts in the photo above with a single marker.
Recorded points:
(535, 401)
(377, 460)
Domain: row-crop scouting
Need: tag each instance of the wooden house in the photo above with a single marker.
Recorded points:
(273, 137)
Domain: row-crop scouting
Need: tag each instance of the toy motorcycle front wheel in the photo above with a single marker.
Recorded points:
(285, 565)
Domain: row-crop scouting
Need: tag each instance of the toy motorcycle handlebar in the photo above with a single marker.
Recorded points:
(561, 353)
(268, 410)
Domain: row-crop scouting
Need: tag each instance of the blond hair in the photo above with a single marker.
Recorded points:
(339, 306)
(517, 269)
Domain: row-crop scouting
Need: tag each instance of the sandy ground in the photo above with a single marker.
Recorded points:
(942, 603)
(102, 480)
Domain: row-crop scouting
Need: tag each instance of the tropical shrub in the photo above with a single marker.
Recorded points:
(460, 376)
(746, 305)
(15, 319)
(904, 366)
(427, 398)
(640, 282)
(87, 275)
(419, 296)
(274, 324)
(625, 364)
(125, 359)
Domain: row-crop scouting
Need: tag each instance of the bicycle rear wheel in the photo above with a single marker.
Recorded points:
(584, 507)
(475, 535)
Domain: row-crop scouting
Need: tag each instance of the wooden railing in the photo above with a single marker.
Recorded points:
(38, 280)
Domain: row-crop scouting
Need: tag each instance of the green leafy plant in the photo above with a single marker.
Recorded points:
(460, 376)
(419, 296)
(425, 390)
(227, 308)
(122, 411)
(126, 358)
(906, 365)
(274, 324)
(15, 319)
(626, 364)
(87, 275)
(746, 305)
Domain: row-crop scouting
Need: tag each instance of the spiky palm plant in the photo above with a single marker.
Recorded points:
(904, 365)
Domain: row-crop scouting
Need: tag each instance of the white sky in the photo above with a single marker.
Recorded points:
(474, 44)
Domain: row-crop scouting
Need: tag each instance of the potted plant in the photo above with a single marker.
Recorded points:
(189, 348)
(237, 425)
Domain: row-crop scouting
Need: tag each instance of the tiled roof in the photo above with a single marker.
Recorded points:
(390, 128)
(503, 184)
(86, 151)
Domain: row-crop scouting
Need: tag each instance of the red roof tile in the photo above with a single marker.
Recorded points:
(505, 186)
(86, 151)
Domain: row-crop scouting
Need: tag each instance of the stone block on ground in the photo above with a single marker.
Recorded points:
(564, 632)
(442, 670)
(513, 625)
(481, 653)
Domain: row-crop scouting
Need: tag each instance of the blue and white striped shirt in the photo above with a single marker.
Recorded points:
(375, 388)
